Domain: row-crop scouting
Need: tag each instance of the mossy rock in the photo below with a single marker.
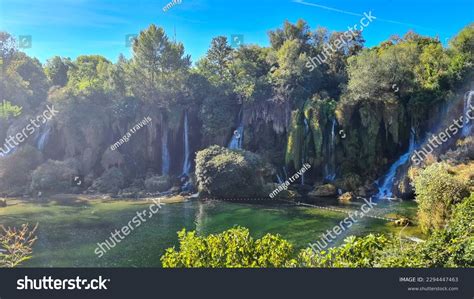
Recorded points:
(403, 221)
(346, 197)
(324, 191)
(158, 183)
(111, 181)
(225, 173)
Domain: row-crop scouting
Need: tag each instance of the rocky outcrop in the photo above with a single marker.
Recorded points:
(323, 191)
(225, 173)
(346, 197)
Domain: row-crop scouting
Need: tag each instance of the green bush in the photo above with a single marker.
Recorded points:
(221, 172)
(356, 252)
(453, 246)
(15, 170)
(54, 176)
(234, 248)
(449, 247)
(436, 191)
(111, 181)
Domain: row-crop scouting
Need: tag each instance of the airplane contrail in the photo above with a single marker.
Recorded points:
(359, 15)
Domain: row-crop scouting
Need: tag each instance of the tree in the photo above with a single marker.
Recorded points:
(7, 49)
(89, 73)
(462, 57)
(298, 31)
(250, 70)
(215, 66)
(25, 81)
(159, 67)
(56, 69)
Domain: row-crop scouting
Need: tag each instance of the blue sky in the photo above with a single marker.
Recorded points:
(75, 27)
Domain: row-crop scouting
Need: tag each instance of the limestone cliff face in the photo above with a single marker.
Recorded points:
(375, 132)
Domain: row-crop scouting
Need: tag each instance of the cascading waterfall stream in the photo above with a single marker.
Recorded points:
(467, 126)
(330, 166)
(186, 162)
(165, 154)
(237, 138)
(43, 138)
(303, 154)
(385, 191)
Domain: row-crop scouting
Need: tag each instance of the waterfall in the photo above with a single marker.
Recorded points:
(385, 191)
(279, 179)
(43, 138)
(237, 138)
(186, 162)
(468, 107)
(330, 166)
(303, 154)
(165, 154)
(285, 173)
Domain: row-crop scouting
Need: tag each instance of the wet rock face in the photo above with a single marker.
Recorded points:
(404, 189)
(373, 130)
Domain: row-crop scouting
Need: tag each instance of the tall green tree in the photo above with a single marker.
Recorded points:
(56, 69)
(159, 67)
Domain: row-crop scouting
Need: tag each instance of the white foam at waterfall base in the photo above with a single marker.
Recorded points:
(237, 137)
(236, 141)
(385, 191)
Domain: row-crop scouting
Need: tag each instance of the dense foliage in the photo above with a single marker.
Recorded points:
(234, 248)
(436, 192)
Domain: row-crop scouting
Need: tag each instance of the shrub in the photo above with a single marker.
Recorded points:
(436, 191)
(111, 181)
(233, 248)
(15, 170)
(453, 246)
(356, 252)
(449, 247)
(54, 176)
(222, 172)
